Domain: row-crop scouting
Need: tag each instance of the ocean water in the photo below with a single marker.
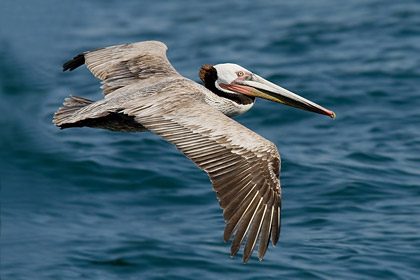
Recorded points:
(93, 204)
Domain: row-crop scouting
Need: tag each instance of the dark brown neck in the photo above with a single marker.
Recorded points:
(208, 74)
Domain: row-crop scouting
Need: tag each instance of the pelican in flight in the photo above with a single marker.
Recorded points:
(144, 92)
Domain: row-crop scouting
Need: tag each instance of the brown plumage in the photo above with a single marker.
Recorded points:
(144, 92)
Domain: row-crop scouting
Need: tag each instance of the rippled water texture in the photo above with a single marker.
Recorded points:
(93, 204)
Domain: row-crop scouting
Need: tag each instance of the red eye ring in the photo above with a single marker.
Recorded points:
(240, 73)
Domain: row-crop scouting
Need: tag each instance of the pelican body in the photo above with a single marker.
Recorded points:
(144, 92)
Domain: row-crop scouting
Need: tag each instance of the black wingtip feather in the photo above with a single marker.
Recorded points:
(77, 61)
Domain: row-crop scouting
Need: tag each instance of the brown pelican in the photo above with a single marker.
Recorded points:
(144, 92)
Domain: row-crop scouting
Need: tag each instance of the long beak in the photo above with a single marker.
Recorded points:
(256, 86)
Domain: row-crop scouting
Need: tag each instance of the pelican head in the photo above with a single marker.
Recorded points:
(235, 80)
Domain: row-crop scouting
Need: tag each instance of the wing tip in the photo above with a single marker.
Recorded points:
(246, 258)
(72, 64)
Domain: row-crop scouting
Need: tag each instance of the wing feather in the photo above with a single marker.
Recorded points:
(122, 65)
(243, 166)
(244, 226)
(265, 232)
(254, 233)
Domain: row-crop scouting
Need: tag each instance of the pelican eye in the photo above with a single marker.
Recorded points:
(240, 73)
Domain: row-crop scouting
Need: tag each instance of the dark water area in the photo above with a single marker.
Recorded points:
(93, 204)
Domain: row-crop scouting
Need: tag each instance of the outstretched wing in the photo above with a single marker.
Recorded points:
(122, 65)
(243, 166)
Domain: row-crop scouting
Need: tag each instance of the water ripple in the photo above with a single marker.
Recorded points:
(91, 204)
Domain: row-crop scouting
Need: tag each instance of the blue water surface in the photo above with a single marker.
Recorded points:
(93, 204)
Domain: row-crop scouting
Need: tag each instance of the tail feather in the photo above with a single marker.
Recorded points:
(71, 105)
(80, 112)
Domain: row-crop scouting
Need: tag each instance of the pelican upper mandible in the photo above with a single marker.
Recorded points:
(144, 92)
